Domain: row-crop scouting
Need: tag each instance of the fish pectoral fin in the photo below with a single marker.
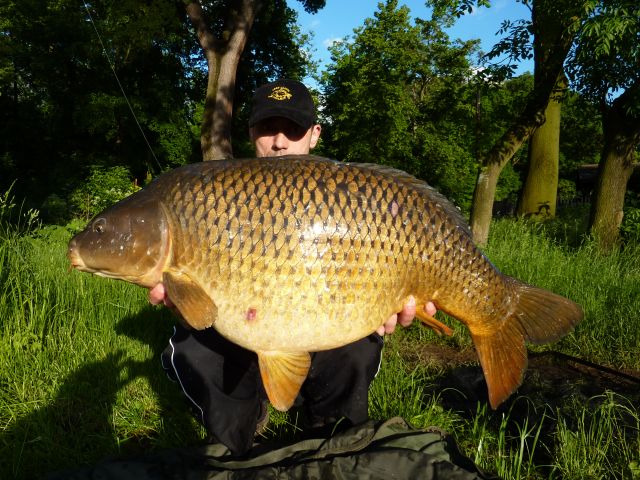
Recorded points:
(193, 303)
(435, 325)
(283, 373)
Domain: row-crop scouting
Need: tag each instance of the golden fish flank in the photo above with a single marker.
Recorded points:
(290, 255)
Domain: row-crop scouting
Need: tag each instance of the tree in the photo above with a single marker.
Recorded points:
(604, 68)
(552, 26)
(223, 29)
(539, 195)
(120, 84)
(61, 107)
(394, 95)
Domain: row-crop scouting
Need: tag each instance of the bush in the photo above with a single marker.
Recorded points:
(104, 187)
(630, 228)
(54, 209)
(566, 190)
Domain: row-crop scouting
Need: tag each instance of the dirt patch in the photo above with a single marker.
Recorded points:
(551, 378)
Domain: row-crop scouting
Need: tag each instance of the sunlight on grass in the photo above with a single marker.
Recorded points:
(80, 378)
(603, 442)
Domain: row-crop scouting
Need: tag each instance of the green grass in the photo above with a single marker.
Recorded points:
(606, 286)
(80, 378)
(79, 364)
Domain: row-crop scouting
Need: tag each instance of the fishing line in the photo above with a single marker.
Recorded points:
(111, 64)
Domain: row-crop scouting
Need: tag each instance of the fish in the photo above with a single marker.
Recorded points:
(296, 254)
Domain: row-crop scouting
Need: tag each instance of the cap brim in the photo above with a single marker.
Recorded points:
(295, 115)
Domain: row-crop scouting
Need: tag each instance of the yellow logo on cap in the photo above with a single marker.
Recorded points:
(280, 93)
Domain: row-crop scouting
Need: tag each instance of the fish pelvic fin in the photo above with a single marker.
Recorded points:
(193, 303)
(283, 373)
(539, 316)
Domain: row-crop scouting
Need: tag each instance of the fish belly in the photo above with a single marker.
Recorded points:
(301, 315)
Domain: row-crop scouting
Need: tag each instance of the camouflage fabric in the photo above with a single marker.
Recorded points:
(372, 450)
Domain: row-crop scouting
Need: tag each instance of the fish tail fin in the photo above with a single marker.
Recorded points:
(539, 316)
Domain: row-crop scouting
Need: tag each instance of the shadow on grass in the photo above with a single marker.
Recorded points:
(78, 427)
(556, 388)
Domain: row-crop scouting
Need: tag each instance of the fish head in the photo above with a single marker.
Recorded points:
(129, 241)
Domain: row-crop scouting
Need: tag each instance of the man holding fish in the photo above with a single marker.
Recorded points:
(221, 379)
(287, 256)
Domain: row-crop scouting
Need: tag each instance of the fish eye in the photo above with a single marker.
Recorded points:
(98, 225)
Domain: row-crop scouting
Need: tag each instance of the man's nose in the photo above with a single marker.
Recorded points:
(280, 141)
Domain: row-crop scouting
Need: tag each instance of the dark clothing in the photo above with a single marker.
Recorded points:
(222, 381)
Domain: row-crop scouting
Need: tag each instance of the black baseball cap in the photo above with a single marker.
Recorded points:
(283, 98)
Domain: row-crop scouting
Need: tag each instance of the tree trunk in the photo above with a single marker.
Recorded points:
(483, 196)
(538, 197)
(222, 57)
(550, 22)
(621, 125)
(489, 172)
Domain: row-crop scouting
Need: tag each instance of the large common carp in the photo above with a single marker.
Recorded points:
(290, 255)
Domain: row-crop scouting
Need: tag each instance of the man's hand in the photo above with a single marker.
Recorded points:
(158, 295)
(405, 317)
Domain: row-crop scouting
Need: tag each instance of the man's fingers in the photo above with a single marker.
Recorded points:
(430, 308)
(389, 326)
(406, 316)
(157, 294)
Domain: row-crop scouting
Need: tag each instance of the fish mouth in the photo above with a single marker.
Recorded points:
(75, 260)
(79, 265)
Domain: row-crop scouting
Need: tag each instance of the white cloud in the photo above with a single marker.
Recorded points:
(330, 41)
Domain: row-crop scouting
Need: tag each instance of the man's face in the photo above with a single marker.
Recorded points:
(277, 136)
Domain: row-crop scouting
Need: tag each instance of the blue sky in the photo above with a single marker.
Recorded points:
(339, 17)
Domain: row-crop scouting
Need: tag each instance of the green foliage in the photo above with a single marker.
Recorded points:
(605, 59)
(581, 138)
(451, 167)
(55, 209)
(630, 228)
(102, 188)
(566, 189)
(388, 99)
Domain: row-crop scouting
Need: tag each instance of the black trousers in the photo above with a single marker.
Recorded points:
(222, 381)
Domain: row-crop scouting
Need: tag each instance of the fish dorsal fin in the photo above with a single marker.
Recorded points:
(283, 373)
(193, 303)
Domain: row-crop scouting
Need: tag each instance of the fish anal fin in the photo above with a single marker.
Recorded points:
(435, 325)
(503, 357)
(193, 303)
(283, 373)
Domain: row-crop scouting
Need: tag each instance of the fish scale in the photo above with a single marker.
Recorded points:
(290, 255)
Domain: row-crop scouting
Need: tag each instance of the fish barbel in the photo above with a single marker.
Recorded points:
(290, 255)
